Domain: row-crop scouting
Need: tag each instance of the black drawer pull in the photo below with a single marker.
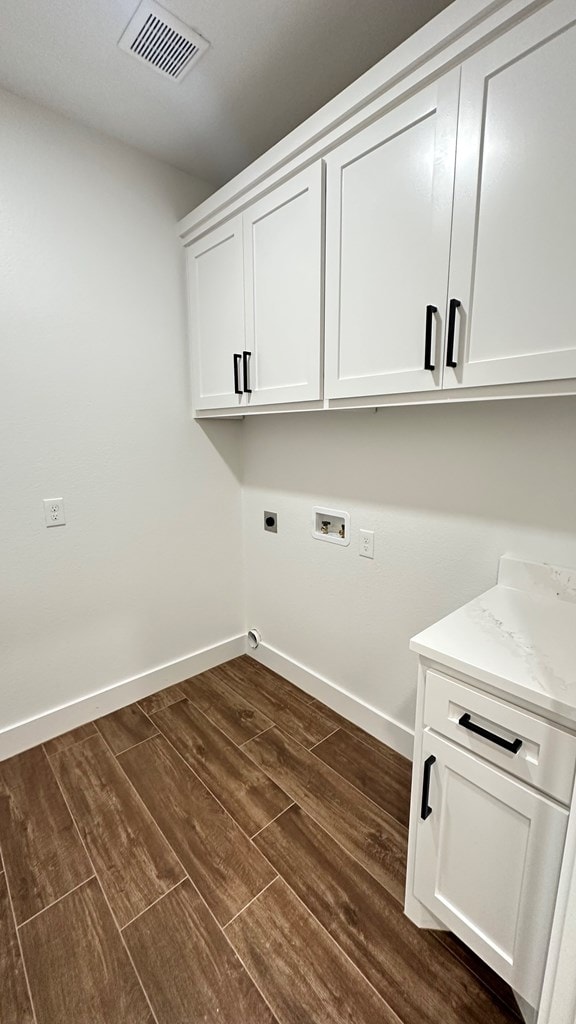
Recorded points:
(512, 745)
(245, 358)
(237, 388)
(454, 304)
(428, 364)
(426, 810)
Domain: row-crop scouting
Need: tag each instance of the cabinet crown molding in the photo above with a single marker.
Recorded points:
(440, 44)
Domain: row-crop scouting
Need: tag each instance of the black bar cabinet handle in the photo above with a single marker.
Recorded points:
(453, 306)
(426, 810)
(428, 364)
(512, 745)
(245, 358)
(237, 388)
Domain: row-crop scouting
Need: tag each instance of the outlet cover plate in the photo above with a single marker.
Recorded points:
(366, 544)
(54, 514)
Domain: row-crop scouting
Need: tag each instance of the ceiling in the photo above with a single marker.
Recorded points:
(272, 63)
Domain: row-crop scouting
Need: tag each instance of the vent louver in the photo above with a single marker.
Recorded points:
(157, 38)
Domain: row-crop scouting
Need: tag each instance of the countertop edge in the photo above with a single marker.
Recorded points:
(506, 688)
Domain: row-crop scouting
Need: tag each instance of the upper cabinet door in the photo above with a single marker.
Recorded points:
(388, 216)
(513, 264)
(283, 245)
(216, 312)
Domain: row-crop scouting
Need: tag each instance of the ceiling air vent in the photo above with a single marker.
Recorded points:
(162, 41)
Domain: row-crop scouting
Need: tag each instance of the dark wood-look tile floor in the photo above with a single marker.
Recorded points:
(227, 850)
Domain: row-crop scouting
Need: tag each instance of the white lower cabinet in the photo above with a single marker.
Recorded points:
(487, 860)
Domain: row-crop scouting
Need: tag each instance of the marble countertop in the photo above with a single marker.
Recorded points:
(519, 637)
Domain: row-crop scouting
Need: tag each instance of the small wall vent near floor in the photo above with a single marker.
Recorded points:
(157, 38)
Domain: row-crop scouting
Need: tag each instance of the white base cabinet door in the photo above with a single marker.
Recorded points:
(513, 260)
(488, 855)
(216, 316)
(388, 217)
(284, 276)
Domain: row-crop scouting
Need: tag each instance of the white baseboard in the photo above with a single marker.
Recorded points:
(23, 735)
(16, 738)
(395, 735)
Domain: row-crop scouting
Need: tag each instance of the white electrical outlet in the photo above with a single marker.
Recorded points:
(366, 544)
(54, 514)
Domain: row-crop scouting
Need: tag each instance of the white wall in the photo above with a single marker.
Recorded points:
(446, 490)
(94, 408)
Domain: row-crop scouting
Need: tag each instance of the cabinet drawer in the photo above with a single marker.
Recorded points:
(531, 749)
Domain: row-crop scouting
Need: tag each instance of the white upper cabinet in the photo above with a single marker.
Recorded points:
(216, 310)
(388, 217)
(513, 261)
(427, 244)
(283, 246)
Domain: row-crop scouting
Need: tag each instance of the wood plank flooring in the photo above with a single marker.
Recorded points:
(234, 716)
(125, 728)
(161, 699)
(403, 963)
(43, 856)
(280, 701)
(77, 965)
(384, 779)
(226, 868)
(244, 790)
(130, 855)
(14, 1001)
(310, 979)
(216, 986)
(226, 851)
(370, 835)
(68, 739)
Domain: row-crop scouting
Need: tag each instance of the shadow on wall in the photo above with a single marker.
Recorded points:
(513, 461)
(226, 438)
